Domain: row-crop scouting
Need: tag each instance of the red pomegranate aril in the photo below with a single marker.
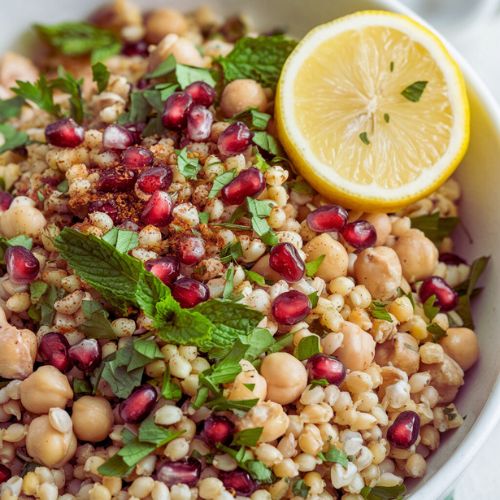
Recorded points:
(284, 258)
(218, 429)
(238, 481)
(235, 139)
(202, 93)
(322, 366)
(189, 292)
(404, 431)
(153, 179)
(86, 355)
(199, 123)
(451, 259)
(191, 250)
(139, 404)
(117, 137)
(327, 218)
(249, 182)
(360, 234)
(108, 207)
(65, 133)
(114, 180)
(446, 297)
(53, 350)
(176, 110)
(22, 266)
(5, 200)
(139, 48)
(136, 130)
(184, 472)
(5, 473)
(137, 158)
(291, 307)
(158, 209)
(164, 268)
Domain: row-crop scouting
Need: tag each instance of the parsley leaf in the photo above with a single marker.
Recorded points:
(308, 346)
(188, 167)
(10, 108)
(335, 456)
(68, 84)
(260, 58)
(280, 344)
(435, 227)
(414, 91)
(313, 299)
(220, 181)
(138, 109)
(39, 93)
(301, 186)
(12, 138)
(100, 75)
(222, 404)
(261, 163)
(313, 266)
(378, 311)
(203, 216)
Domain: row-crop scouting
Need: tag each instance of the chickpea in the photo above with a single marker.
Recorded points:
(268, 415)
(92, 418)
(18, 351)
(44, 389)
(22, 219)
(240, 95)
(461, 345)
(358, 347)
(379, 270)
(162, 22)
(285, 375)
(48, 446)
(335, 261)
(418, 255)
(382, 225)
(401, 352)
(181, 48)
(248, 375)
(446, 377)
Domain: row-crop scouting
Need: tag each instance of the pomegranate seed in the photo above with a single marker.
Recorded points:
(158, 209)
(446, 297)
(136, 130)
(191, 250)
(238, 481)
(451, 259)
(284, 258)
(185, 472)
(327, 218)
(117, 137)
(218, 429)
(65, 133)
(360, 234)
(165, 268)
(202, 93)
(86, 355)
(139, 404)
(115, 180)
(199, 123)
(5, 473)
(249, 182)
(323, 366)
(108, 207)
(291, 307)
(139, 48)
(137, 158)
(53, 350)
(22, 265)
(176, 110)
(404, 431)
(235, 139)
(151, 180)
(189, 292)
(5, 200)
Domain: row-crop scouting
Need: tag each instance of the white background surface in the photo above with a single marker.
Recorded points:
(474, 28)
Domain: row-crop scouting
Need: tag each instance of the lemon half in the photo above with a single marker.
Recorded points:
(373, 110)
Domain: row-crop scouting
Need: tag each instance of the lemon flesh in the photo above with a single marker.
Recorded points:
(373, 110)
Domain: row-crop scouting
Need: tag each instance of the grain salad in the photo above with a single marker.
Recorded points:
(182, 315)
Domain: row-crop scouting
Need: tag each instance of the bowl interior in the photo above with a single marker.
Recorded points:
(479, 174)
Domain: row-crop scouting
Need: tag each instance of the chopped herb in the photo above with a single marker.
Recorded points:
(100, 75)
(70, 85)
(220, 181)
(436, 331)
(12, 138)
(322, 382)
(63, 186)
(164, 68)
(402, 293)
(188, 167)
(10, 108)
(230, 225)
(166, 89)
(247, 437)
(229, 285)
(301, 187)
(222, 404)
(308, 346)
(188, 74)
(313, 266)
(267, 142)
(450, 413)
(430, 309)
(387, 118)
(313, 299)
(414, 91)
(244, 459)
(259, 208)
(260, 58)
(81, 386)
(231, 252)
(384, 492)
(254, 119)
(335, 456)
(378, 311)
(257, 343)
(170, 389)
(261, 163)
(40, 93)
(435, 227)
(40, 196)
(201, 397)
(96, 324)
(138, 109)
(391, 66)
(123, 240)
(300, 488)
(37, 290)
(203, 216)
(364, 138)
(254, 277)
(280, 344)
(264, 231)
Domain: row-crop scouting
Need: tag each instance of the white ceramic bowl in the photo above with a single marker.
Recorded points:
(480, 208)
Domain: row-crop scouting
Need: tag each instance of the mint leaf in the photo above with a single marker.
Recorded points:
(435, 227)
(258, 342)
(267, 142)
(260, 58)
(414, 91)
(247, 437)
(313, 266)
(100, 75)
(148, 348)
(166, 89)
(259, 471)
(188, 167)
(378, 311)
(121, 239)
(164, 68)
(335, 456)
(170, 389)
(12, 138)
(254, 277)
(10, 108)
(308, 346)
(188, 74)
(154, 99)
(97, 324)
(40, 93)
(220, 181)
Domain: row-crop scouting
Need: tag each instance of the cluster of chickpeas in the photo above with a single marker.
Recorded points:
(392, 366)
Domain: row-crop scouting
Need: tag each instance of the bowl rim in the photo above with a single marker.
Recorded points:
(444, 478)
